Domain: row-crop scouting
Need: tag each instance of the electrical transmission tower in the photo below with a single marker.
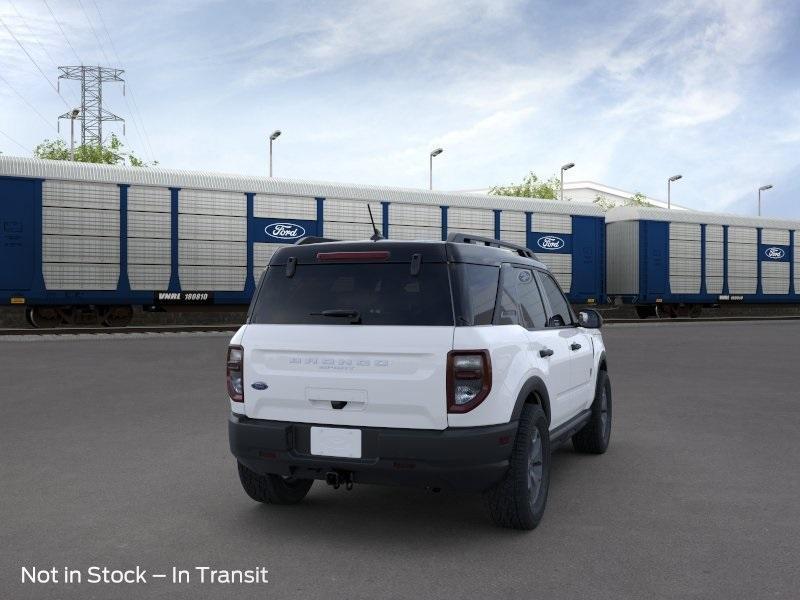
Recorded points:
(92, 113)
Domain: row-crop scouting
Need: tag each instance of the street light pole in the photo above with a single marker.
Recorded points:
(436, 152)
(272, 138)
(763, 188)
(669, 190)
(72, 116)
(564, 168)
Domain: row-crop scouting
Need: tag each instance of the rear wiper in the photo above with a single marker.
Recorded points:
(354, 315)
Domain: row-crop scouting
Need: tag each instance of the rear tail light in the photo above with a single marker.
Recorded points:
(236, 373)
(469, 379)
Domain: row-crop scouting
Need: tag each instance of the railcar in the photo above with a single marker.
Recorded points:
(673, 263)
(87, 243)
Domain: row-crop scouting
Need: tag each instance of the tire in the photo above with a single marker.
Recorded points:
(117, 316)
(273, 489)
(519, 500)
(596, 434)
(643, 311)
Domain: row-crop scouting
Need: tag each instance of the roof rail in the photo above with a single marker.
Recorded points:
(313, 239)
(466, 238)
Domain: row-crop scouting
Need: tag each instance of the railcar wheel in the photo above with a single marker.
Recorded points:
(29, 317)
(118, 316)
(644, 311)
(45, 316)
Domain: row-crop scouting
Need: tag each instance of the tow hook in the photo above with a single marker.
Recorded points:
(339, 478)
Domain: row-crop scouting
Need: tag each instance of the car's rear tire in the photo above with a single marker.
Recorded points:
(519, 500)
(273, 489)
(596, 434)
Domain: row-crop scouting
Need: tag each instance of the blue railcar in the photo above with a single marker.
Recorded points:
(675, 262)
(86, 241)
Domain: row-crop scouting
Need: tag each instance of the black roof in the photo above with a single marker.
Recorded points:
(402, 251)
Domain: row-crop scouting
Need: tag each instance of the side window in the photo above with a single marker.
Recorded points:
(477, 291)
(530, 300)
(561, 313)
(519, 301)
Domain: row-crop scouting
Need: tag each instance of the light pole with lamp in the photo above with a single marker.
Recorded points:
(763, 188)
(565, 167)
(272, 138)
(436, 152)
(669, 189)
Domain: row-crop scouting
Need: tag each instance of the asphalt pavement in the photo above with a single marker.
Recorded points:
(113, 452)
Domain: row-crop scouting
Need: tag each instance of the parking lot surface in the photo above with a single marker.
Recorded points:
(114, 453)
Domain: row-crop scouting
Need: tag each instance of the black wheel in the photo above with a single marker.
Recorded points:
(273, 489)
(117, 316)
(29, 316)
(595, 435)
(644, 310)
(44, 316)
(518, 501)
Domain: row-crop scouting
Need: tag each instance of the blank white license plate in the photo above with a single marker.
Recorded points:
(335, 441)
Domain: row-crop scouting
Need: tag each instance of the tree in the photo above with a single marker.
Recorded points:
(113, 153)
(531, 187)
(606, 203)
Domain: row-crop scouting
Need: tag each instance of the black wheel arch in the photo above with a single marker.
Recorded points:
(534, 391)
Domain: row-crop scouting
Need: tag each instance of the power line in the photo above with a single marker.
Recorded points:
(96, 37)
(15, 141)
(32, 107)
(61, 29)
(33, 35)
(146, 138)
(35, 64)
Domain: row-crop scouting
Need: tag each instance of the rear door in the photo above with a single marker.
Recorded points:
(17, 239)
(354, 343)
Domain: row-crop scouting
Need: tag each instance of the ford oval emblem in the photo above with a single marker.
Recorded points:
(775, 253)
(550, 242)
(285, 231)
(259, 385)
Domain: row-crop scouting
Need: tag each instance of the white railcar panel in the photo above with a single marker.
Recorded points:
(515, 237)
(285, 207)
(77, 221)
(715, 267)
(775, 277)
(149, 199)
(415, 214)
(149, 225)
(148, 251)
(80, 194)
(684, 231)
(775, 236)
(715, 250)
(80, 276)
(79, 249)
(684, 249)
(742, 285)
(148, 277)
(684, 267)
(208, 227)
(204, 252)
(411, 232)
(470, 219)
(551, 223)
(796, 254)
(208, 202)
(351, 211)
(349, 231)
(715, 233)
(684, 284)
(560, 265)
(194, 277)
(742, 235)
(741, 268)
(743, 252)
(486, 233)
(714, 284)
(512, 220)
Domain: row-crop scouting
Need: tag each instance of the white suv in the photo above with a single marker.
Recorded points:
(456, 364)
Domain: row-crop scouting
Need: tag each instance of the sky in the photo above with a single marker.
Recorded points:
(632, 92)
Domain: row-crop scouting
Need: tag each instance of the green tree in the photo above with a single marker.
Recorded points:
(531, 187)
(112, 153)
(606, 203)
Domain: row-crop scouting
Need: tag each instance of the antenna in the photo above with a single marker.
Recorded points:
(375, 236)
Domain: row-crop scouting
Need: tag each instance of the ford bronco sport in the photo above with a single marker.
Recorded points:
(456, 364)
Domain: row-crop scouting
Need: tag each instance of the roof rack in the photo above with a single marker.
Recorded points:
(313, 239)
(466, 238)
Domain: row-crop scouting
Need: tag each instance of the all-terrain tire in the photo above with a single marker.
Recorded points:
(596, 434)
(273, 489)
(518, 501)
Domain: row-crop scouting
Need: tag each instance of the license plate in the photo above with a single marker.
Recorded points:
(335, 441)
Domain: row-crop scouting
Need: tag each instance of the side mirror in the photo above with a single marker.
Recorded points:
(590, 319)
(556, 321)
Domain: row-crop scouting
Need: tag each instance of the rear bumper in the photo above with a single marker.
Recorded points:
(468, 459)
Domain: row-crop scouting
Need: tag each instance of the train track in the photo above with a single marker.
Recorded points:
(231, 328)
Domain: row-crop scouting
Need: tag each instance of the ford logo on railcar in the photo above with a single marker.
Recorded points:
(550, 242)
(285, 231)
(775, 253)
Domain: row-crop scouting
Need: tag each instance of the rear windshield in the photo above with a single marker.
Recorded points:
(350, 294)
